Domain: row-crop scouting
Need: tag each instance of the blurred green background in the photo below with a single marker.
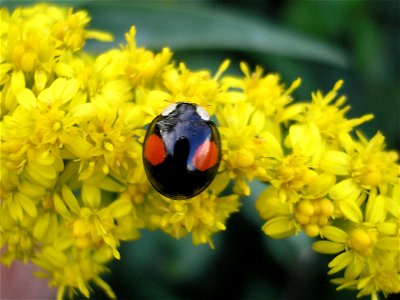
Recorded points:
(319, 41)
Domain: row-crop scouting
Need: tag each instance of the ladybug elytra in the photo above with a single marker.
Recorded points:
(181, 151)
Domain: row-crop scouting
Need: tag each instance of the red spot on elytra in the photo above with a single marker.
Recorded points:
(154, 150)
(206, 156)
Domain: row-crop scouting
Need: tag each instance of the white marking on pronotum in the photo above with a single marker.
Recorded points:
(203, 113)
(169, 109)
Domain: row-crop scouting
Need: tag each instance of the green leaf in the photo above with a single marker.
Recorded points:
(259, 288)
(12, 4)
(288, 252)
(204, 27)
(248, 204)
(163, 258)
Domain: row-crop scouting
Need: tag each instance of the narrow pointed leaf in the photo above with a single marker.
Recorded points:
(199, 27)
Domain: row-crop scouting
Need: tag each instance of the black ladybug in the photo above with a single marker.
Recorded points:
(181, 151)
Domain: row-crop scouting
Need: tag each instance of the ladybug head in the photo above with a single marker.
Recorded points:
(185, 111)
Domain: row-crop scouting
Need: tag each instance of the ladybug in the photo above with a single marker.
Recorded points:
(181, 151)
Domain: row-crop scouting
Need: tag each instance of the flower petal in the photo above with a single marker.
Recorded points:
(27, 204)
(120, 208)
(345, 189)
(27, 99)
(60, 206)
(70, 199)
(91, 195)
(336, 162)
(327, 247)
(280, 227)
(340, 262)
(334, 234)
(375, 212)
(41, 226)
(355, 268)
(351, 211)
(389, 243)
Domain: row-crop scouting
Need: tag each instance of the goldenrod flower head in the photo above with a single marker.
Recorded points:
(142, 67)
(328, 113)
(309, 211)
(242, 144)
(202, 215)
(369, 250)
(372, 166)
(314, 214)
(264, 91)
(70, 270)
(16, 235)
(273, 206)
(33, 38)
(73, 186)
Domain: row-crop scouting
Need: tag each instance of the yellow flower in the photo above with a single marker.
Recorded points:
(328, 114)
(198, 87)
(297, 169)
(33, 38)
(370, 263)
(365, 162)
(242, 145)
(287, 215)
(31, 140)
(9, 92)
(27, 45)
(107, 145)
(384, 278)
(70, 32)
(16, 235)
(368, 250)
(364, 167)
(71, 271)
(265, 92)
(201, 216)
(273, 206)
(93, 222)
(372, 166)
(142, 67)
(313, 214)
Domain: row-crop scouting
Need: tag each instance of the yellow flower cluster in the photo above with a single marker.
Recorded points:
(73, 186)
(345, 190)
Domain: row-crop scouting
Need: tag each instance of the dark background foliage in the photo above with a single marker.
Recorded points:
(319, 41)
